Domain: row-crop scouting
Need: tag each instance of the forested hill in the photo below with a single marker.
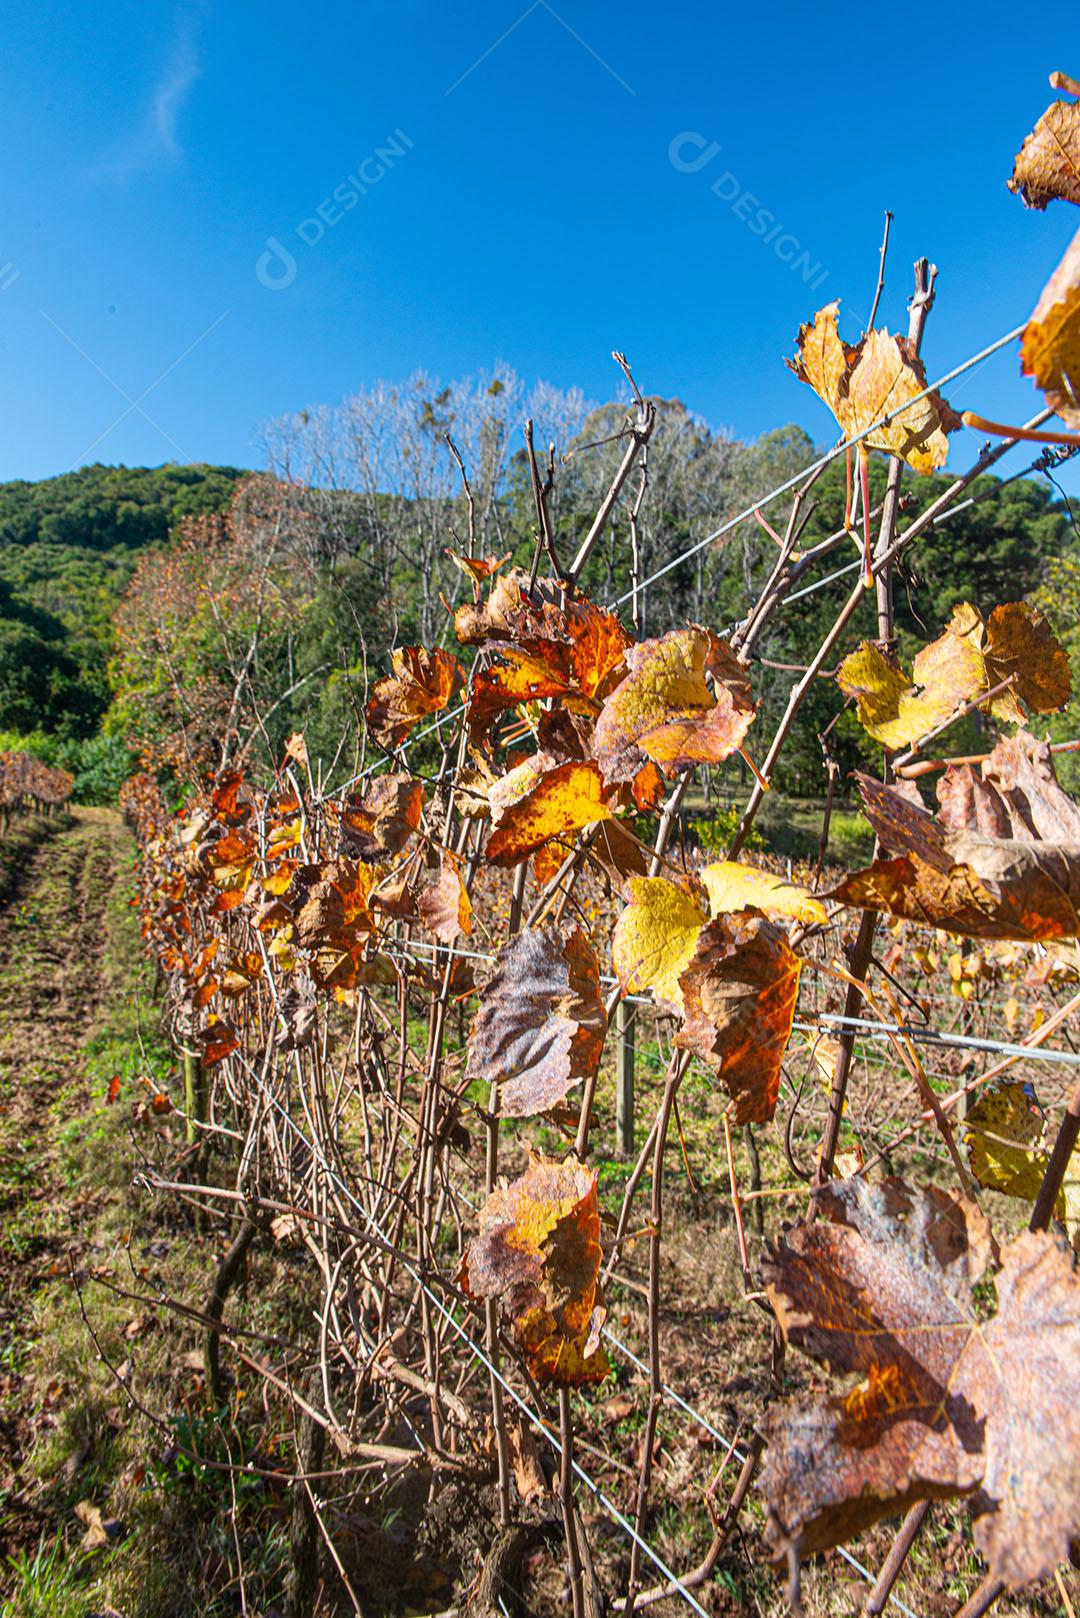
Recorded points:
(68, 547)
(347, 570)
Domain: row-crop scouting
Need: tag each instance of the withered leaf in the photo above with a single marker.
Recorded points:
(875, 377)
(423, 682)
(665, 710)
(382, 821)
(1021, 645)
(525, 1460)
(297, 1008)
(946, 1403)
(445, 907)
(555, 802)
(1006, 1138)
(964, 881)
(99, 1530)
(1014, 793)
(538, 1252)
(1048, 164)
(1050, 346)
(219, 1040)
(739, 992)
(546, 650)
(541, 1023)
(968, 661)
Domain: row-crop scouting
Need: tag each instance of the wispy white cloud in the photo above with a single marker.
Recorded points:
(155, 137)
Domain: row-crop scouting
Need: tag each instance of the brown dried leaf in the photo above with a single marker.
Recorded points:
(382, 821)
(445, 908)
(1048, 163)
(423, 682)
(525, 1460)
(1021, 645)
(963, 881)
(946, 1403)
(1050, 346)
(1014, 794)
(739, 993)
(541, 1023)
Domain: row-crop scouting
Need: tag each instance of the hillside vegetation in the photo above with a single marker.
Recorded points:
(112, 578)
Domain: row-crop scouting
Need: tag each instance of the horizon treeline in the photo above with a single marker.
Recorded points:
(142, 608)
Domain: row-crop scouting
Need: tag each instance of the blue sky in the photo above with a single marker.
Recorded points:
(529, 205)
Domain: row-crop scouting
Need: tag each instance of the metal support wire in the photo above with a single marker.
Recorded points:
(534, 1416)
(537, 1417)
(930, 1036)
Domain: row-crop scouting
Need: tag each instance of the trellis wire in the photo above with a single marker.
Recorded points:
(997, 1047)
(866, 1025)
(536, 1417)
(739, 1455)
(819, 464)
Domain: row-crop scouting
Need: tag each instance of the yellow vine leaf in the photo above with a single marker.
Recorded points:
(734, 886)
(655, 937)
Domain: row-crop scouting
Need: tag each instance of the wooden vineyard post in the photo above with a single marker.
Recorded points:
(625, 1035)
(193, 1093)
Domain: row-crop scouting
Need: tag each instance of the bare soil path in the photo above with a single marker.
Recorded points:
(55, 981)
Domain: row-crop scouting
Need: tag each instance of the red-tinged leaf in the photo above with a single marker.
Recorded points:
(739, 993)
(538, 1252)
(963, 881)
(423, 683)
(445, 907)
(218, 1041)
(880, 1286)
(381, 822)
(667, 711)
